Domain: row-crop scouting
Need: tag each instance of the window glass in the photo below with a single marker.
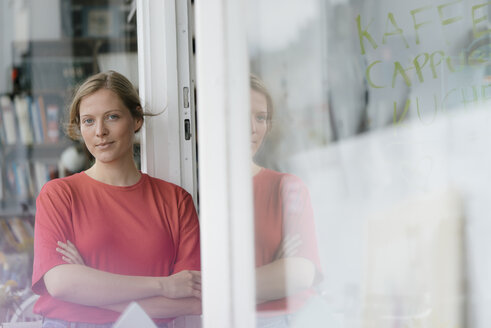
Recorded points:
(371, 169)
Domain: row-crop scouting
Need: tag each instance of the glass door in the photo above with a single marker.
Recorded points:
(367, 162)
(370, 169)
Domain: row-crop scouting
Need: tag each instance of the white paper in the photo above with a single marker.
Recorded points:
(134, 316)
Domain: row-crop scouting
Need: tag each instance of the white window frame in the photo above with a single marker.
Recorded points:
(227, 242)
(225, 183)
(164, 74)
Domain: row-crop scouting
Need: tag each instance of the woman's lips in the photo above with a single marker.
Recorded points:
(104, 145)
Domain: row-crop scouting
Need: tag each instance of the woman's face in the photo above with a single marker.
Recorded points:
(259, 119)
(107, 127)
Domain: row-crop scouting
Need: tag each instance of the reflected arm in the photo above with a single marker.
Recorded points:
(283, 277)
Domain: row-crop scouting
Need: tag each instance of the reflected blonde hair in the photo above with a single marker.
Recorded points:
(258, 85)
(110, 80)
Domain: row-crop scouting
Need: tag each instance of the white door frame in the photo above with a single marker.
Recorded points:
(165, 89)
(226, 216)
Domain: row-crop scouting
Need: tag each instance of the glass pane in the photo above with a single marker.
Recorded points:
(48, 48)
(370, 165)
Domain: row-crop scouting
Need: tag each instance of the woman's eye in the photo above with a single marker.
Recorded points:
(261, 118)
(113, 117)
(88, 121)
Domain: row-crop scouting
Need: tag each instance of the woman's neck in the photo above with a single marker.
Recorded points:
(255, 168)
(116, 174)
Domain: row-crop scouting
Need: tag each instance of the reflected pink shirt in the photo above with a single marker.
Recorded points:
(282, 207)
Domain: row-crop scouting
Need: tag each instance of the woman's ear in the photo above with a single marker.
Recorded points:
(138, 121)
(138, 124)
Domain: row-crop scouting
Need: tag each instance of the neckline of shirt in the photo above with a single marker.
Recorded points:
(121, 188)
(261, 170)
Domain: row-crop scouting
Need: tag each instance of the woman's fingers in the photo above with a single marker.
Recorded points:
(196, 276)
(69, 250)
(75, 252)
(69, 243)
(289, 246)
(66, 255)
(186, 283)
(66, 259)
(292, 241)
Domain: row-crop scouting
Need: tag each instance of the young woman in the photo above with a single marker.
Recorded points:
(111, 234)
(287, 261)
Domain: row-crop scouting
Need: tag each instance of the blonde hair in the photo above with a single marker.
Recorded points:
(109, 80)
(258, 85)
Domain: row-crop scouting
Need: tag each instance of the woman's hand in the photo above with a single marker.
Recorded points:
(289, 247)
(70, 253)
(186, 283)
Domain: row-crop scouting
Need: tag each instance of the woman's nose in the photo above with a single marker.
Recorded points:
(101, 129)
(253, 126)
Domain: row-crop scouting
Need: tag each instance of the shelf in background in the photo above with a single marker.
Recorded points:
(75, 47)
(37, 151)
(17, 210)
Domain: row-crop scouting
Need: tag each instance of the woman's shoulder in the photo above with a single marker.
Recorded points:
(279, 179)
(166, 186)
(64, 184)
(268, 173)
(275, 175)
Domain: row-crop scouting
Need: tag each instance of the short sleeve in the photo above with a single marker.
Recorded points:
(298, 219)
(188, 252)
(52, 224)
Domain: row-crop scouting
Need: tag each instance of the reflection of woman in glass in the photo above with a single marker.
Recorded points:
(112, 234)
(287, 263)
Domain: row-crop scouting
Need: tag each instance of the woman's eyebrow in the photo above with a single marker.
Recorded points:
(105, 113)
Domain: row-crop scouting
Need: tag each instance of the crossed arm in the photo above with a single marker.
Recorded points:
(290, 271)
(160, 297)
(174, 295)
(286, 275)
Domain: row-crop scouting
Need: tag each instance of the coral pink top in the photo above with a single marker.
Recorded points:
(147, 229)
